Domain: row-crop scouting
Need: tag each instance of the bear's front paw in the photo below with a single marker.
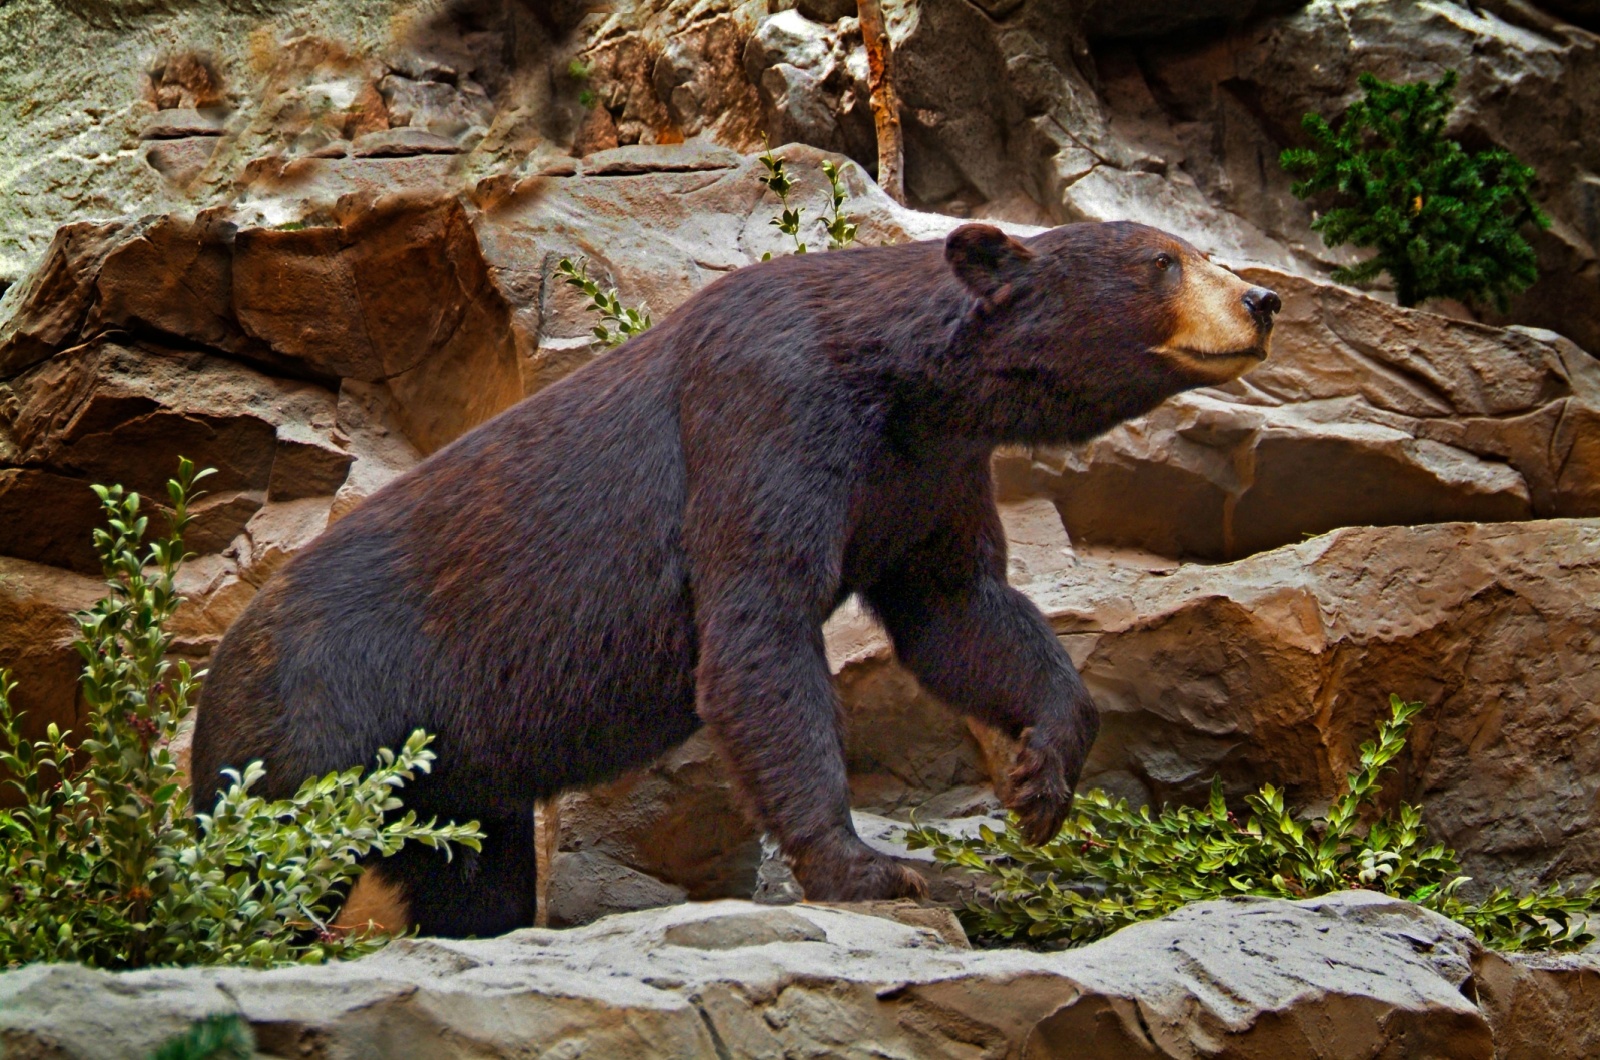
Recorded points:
(1041, 791)
(856, 873)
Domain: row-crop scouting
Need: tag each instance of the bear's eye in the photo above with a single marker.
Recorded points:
(1163, 261)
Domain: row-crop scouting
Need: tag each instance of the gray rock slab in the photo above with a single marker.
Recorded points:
(1350, 975)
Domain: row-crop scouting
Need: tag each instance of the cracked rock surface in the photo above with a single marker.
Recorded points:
(1349, 975)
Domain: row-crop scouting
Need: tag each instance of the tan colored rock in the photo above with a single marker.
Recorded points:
(664, 77)
(1346, 976)
(214, 594)
(47, 518)
(676, 820)
(1534, 1001)
(366, 416)
(47, 311)
(111, 413)
(218, 518)
(397, 293)
(586, 885)
(98, 76)
(216, 588)
(175, 276)
(812, 80)
(36, 635)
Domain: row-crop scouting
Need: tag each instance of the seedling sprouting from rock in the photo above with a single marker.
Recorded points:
(618, 323)
(841, 230)
(779, 183)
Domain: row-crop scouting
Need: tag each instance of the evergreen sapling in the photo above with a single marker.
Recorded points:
(1445, 223)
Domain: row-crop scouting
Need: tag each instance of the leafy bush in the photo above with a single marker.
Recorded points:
(104, 864)
(1112, 865)
(624, 323)
(1444, 222)
(225, 1037)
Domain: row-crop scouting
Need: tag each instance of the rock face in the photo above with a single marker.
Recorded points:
(37, 631)
(1278, 667)
(1275, 669)
(1350, 975)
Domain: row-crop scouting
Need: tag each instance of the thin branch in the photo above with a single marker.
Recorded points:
(885, 101)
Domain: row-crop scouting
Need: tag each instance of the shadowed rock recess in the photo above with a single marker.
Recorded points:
(308, 244)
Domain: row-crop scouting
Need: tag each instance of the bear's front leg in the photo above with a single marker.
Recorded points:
(767, 697)
(985, 650)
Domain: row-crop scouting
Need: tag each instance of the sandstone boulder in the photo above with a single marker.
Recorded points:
(398, 293)
(662, 77)
(1350, 975)
(112, 413)
(46, 312)
(676, 820)
(813, 83)
(1275, 668)
(36, 635)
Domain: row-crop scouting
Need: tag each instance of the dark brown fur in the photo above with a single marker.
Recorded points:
(654, 543)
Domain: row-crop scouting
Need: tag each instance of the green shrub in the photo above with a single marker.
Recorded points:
(103, 862)
(225, 1037)
(1112, 865)
(841, 230)
(1445, 223)
(781, 184)
(624, 323)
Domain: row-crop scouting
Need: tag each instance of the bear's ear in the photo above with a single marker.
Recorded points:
(986, 261)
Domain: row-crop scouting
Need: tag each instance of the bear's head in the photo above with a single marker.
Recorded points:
(1117, 315)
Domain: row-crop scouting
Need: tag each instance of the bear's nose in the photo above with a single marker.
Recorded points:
(1261, 304)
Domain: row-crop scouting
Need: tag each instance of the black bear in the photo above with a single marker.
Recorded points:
(654, 543)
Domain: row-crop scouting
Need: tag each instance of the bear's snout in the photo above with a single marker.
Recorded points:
(1262, 304)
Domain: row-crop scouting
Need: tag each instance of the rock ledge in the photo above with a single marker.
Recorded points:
(1351, 975)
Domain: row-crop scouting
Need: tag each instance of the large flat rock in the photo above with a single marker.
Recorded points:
(1350, 975)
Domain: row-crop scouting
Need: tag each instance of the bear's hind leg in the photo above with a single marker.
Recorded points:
(482, 893)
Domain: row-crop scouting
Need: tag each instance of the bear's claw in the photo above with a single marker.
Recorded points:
(1041, 794)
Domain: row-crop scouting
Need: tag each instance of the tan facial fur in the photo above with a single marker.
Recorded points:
(374, 904)
(1216, 338)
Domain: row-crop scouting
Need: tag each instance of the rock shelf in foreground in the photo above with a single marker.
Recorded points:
(1350, 975)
